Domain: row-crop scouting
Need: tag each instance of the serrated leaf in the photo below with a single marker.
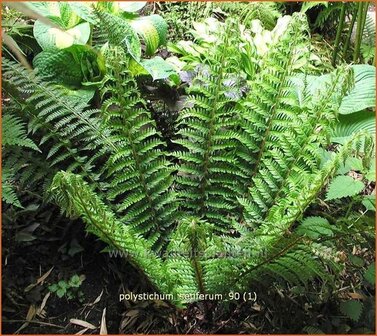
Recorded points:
(352, 309)
(343, 186)
(370, 274)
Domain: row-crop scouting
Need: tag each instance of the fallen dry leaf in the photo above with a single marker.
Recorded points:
(103, 328)
(39, 280)
(83, 323)
(82, 331)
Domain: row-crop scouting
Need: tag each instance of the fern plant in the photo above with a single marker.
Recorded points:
(226, 208)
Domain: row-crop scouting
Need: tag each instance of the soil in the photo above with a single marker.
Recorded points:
(36, 241)
(26, 261)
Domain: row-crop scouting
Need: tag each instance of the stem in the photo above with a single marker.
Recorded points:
(348, 38)
(361, 17)
(339, 33)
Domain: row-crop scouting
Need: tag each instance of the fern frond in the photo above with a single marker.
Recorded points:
(76, 198)
(69, 129)
(140, 175)
(292, 151)
(269, 109)
(14, 133)
(208, 170)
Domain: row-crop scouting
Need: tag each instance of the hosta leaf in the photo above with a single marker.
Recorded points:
(45, 8)
(152, 29)
(52, 64)
(49, 38)
(131, 6)
(84, 11)
(352, 309)
(353, 123)
(84, 65)
(370, 274)
(363, 95)
(343, 186)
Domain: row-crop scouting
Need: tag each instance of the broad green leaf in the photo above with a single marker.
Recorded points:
(49, 38)
(84, 65)
(353, 123)
(84, 11)
(45, 8)
(343, 186)
(131, 6)
(363, 95)
(352, 309)
(370, 274)
(158, 68)
(369, 202)
(62, 10)
(153, 30)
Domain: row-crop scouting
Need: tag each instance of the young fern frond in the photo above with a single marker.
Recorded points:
(140, 175)
(269, 111)
(292, 153)
(76, 198)
(208, 172)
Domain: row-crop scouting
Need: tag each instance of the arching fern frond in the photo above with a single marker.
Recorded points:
(139, 174)
(76, 198)
(208, 171)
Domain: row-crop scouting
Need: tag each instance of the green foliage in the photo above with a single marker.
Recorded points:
(352, 309)
(352, 123)
(363, 95)
(315, 227)
(370, 274)
(228, 206)
(69, 289)
(52, 38)
(344, 186)
(153, 30)
(85, 65)
(139, 171)
(13, 135)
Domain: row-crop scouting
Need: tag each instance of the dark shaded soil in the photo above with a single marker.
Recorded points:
(25, 262)
(37, 240)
